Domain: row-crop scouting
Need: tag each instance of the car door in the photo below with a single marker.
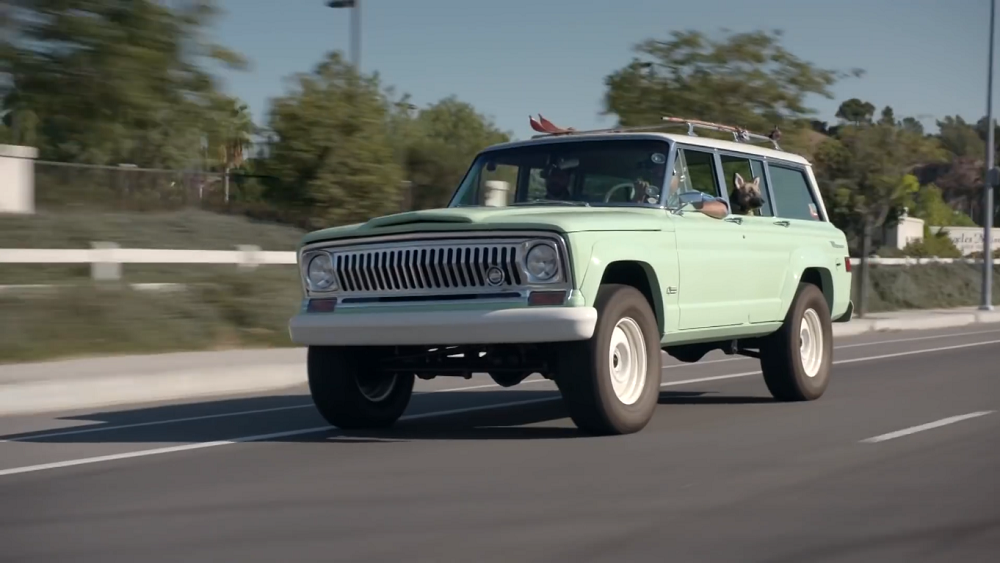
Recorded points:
(767, 248)
(797, 210)
(709, 250)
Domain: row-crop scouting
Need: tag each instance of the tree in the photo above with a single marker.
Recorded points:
(927, 203)
(110, 81)
(960, 138)
(912, 125)
(332, 155)
(888, 116)
(867, 172)
(856, 111)
(444, 139)
(745, 79)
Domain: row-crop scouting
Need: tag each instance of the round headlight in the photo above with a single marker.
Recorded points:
(320, 272)
(541, 262)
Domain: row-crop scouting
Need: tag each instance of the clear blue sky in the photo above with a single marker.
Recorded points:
(512, 58)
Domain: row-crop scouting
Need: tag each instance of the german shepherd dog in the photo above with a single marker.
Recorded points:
(746, 198)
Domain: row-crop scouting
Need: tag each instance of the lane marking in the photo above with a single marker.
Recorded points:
(916, 339)
(245, 439)
(152, 423)
(492, 385)
(290, 433)
(922, 427)
(915, 352)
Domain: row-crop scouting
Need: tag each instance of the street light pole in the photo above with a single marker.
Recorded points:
(987, 301)
(355, 6)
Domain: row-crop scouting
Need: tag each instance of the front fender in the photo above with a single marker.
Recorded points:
(654, 251)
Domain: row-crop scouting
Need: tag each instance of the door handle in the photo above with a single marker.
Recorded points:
(737, 220)
(782, 223)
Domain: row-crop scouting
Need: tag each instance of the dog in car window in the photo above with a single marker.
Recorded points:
(746, 198)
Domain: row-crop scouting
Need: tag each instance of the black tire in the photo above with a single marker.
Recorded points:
(584, 374)
(781, 359)
(338, 381)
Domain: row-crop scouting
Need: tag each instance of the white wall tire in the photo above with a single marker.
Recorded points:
(796, 360)
(349, 394)
(611, 382)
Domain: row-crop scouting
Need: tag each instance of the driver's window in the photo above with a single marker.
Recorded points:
(694, 170)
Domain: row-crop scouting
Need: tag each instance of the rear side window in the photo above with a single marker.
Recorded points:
(792, 195)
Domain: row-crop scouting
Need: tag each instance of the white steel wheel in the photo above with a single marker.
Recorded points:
(811, 343)
(627, 361)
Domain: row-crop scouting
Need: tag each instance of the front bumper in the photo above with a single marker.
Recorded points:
(505, 326)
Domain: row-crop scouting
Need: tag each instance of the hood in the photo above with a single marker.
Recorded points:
(457, 219)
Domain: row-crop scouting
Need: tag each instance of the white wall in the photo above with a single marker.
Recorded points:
(911, 229)
(969, 239)
(17, 179)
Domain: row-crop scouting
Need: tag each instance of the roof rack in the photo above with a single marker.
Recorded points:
(740, 135)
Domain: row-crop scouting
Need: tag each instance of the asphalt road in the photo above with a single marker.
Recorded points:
(899, 461)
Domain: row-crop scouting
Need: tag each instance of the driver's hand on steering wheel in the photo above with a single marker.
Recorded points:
(642, 191)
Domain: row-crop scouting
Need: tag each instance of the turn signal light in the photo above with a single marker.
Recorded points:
(322, 305)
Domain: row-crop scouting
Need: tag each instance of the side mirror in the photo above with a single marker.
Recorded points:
(685, 199)
(690, 198)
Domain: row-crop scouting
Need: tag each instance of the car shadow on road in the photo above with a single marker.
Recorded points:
(481, 415)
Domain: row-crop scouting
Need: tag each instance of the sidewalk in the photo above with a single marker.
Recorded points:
(103, 382)
(924, 319)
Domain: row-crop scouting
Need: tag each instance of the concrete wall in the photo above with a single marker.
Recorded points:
(911, 229)
(17, 179)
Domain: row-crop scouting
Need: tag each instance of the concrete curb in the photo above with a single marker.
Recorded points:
(938, 320)
(71, 393)
(106, 382)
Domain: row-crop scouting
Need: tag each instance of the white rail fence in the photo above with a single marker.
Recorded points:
(106, 259)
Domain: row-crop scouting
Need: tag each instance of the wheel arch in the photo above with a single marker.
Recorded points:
(642, 276)
(807, 266)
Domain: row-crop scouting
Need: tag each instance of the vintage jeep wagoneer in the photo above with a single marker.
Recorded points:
(580, 256)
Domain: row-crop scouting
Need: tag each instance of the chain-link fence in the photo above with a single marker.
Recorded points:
(61, 186)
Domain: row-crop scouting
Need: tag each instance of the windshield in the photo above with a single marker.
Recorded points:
(598, 172)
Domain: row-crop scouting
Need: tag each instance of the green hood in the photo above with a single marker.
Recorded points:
(457, 219)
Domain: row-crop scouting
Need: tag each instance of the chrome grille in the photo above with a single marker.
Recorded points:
(426, 268)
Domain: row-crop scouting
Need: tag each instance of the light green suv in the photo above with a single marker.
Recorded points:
(581, 256)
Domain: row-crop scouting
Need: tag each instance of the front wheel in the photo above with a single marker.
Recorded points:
(611, 383)
(350, 393)
(796, 359)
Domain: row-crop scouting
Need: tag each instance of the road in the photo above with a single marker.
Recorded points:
(897, 462)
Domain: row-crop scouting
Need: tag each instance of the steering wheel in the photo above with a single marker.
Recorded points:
(615, 188)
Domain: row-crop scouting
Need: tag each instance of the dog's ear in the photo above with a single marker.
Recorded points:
(739, 181)
(755, 184)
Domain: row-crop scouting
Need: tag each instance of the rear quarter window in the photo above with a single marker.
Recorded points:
(792, 195)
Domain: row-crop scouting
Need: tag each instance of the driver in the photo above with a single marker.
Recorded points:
(709, 205)
(557, 184)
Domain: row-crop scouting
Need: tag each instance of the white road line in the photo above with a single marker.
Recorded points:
(290, 433)
(153, 423)
(916, 339)
(256, 438)
(922, 427)
(492, 385)
(915, 352)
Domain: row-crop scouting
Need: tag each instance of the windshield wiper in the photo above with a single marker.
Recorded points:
(552, 201)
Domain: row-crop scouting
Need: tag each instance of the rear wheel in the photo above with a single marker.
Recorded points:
(796, 359)
(350, 393)
(611, 383)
